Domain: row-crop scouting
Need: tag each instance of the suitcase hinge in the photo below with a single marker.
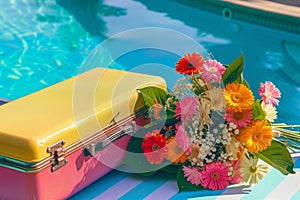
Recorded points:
(57, 155)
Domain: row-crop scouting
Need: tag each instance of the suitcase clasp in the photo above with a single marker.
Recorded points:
(57, 155)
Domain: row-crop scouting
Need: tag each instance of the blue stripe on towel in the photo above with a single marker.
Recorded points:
(265, 186)
(147, 187)
(297, 163)
(296, 196)
(100, 186)
(121, 188)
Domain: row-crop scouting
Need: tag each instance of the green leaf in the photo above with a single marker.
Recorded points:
(147, 174)
(240, 79)
(234, 71)
(170, 119)
(278, 157)
(257, 111)
(246, 83)
(151, 93)
(243, 81)
(173, 169)
(199, 90)
(184, 185)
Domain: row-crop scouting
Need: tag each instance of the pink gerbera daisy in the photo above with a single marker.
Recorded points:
(269, 93)
(182, 138)
(192, 174)
(212, 71)
(215, 176)
(236, 176)
(154, 146)
(241, 119)
(185, 108)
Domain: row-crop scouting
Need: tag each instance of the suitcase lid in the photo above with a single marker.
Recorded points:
(70, 111)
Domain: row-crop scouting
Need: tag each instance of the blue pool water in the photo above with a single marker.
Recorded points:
(43, 42)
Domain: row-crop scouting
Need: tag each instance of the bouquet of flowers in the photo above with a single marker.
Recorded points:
(210, 130)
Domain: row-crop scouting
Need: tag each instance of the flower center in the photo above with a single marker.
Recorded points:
(213, 70)
(189, 65)
(268, 95)
(215, 176)
(238, 115)
(215, 102)
(155, 147)
(256, 137)
(194, 173)
(235, 97)
(253, 170)
(185, 110)
(203, 115)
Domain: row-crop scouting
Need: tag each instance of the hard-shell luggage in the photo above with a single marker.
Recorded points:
(59, 140)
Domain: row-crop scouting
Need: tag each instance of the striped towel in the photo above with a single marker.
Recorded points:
(120, 185)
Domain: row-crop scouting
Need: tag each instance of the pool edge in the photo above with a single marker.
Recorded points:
(264, 13)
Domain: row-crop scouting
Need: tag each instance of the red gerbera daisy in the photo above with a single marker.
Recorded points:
(154, 146)
(190, 64)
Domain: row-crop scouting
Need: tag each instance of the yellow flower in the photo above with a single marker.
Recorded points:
(250, 171)
(256, 136)
(238, 97)
(269, 111)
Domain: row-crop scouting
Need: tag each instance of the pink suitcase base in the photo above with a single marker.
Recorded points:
(79, 172)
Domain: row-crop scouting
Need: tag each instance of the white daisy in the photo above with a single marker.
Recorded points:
(269, 111)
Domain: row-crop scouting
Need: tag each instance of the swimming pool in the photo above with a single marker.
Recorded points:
(44, 42)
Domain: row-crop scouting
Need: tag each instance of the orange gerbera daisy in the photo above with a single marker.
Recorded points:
(190, 64)
(175, 153)
(256, 136)
(238, 97)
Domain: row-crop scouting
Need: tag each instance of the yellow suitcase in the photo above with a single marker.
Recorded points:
(58, 140)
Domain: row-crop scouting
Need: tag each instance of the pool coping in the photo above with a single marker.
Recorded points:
(261, 12)
(267, 13)
(269, 6)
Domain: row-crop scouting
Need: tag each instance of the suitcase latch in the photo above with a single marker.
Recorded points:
(57, 155)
